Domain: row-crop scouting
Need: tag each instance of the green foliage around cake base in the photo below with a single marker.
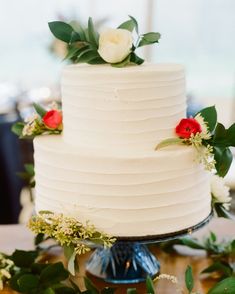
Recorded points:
(75, 237)
(25, 272)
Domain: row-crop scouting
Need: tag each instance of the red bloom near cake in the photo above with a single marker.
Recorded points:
(186, 127)
(52, 119)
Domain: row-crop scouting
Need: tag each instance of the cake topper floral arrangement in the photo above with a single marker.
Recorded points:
(114, 46)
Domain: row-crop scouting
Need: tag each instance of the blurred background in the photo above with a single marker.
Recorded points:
(196, 33)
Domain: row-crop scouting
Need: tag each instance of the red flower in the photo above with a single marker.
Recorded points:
(188, 126)
(52, 119)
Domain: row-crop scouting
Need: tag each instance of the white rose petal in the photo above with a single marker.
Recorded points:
(219, 190)
(115, 45)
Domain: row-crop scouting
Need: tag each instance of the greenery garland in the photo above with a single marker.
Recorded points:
(25, 272)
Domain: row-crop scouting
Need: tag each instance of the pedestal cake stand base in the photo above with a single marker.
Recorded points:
(129, 259)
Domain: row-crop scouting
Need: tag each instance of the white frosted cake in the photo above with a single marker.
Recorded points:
(104, 167)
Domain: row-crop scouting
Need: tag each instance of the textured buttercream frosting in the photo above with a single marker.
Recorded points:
(157, 193)
(104, 168)
(130, 108)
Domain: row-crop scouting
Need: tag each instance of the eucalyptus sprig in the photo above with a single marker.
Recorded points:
(83, 43)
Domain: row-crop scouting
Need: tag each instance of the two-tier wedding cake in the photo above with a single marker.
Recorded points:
(104, 167)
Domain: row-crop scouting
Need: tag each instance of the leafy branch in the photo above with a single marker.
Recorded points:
(83, 43)
(26, 273)
(214, 248)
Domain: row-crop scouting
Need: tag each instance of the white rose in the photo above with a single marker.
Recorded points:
(115, 45)
(219, 190)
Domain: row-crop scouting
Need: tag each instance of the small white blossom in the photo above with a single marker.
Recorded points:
(30, 125)
(205, 132)
(5, 273)
(204, 153)
(29, 128)
(220, 191)
(170, 278)
(6, 265)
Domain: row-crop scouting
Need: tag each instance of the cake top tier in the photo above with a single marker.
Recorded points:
(104, 74)
(131, 108)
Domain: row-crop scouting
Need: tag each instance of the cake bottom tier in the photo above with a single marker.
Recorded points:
(123, 195)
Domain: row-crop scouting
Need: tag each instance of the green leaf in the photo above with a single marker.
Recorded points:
(39, 109)
(76, 53)
(231, 135)
(192, 243)
(70, 255)
(28, 282)
(79, 29)
(150, 285)
(222, 212)
(97, 60)
(189, 279)
(131, 291)
(213, 236)
(72, 52)
(218, 266)
(87, 55)
(29, 167)
(122, 63)
(37, 268)
(48, 291)
(92, 34)
(39, 238)
(136, 59)
(62, 31)
(54, 273)
(13, 282)
(129, 25)
(90, 286)
(149, 38)
(23, 258)
(220, 136)
(226, 286)
(232, 246)
(17, 128)
(136, 26)
(74, 37)
(210, 116)
(168, 142)
(223, 157)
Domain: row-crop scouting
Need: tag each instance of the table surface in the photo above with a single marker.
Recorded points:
(18, 236)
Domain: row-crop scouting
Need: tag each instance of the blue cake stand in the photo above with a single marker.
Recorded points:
(129, 259)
